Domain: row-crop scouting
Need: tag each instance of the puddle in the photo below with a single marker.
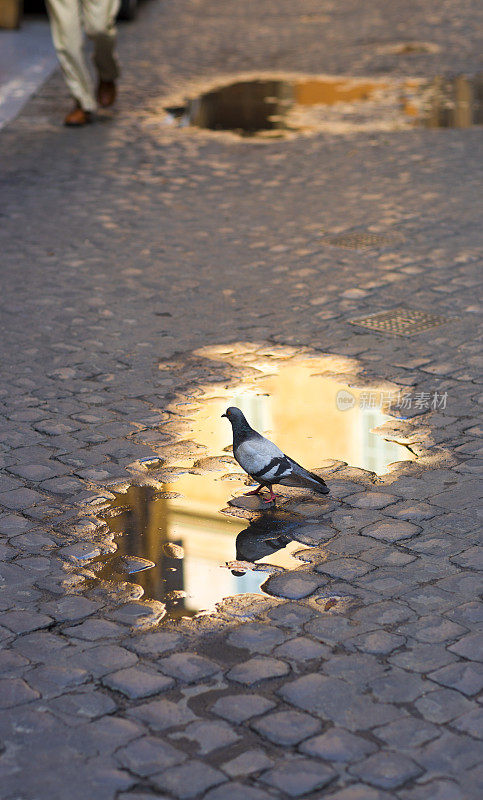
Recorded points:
(303, 405)
(271, 108)
(198, 550)
(200, 554)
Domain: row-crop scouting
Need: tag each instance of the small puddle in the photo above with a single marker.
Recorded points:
(200, 550)
(273, 107)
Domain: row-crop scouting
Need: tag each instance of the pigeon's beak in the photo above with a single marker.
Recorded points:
(224, 415)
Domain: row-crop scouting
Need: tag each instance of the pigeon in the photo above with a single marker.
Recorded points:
(265, 462)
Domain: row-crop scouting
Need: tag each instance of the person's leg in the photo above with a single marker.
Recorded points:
(65, 23)
(100, 25)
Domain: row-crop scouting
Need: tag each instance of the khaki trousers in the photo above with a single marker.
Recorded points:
(68, 20)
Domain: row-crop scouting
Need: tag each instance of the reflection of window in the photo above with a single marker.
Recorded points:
(256, 408)
(371, 443)
(250, 582)
(376, 451)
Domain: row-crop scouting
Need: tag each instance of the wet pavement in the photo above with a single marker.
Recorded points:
(149, 271)
(310, 104)
(191, 536)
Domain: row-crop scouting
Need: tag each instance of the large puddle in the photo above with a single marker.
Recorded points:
(200, 548)
(272, 107)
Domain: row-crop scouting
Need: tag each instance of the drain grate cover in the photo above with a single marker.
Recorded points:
(401, 321)
(359, 240)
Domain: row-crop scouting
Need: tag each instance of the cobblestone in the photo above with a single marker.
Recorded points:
(466, 678)
(209, 736)
(407, 733)
(104, 735)
(247, 763)
(391, 531)
(94, 629)
(161, 714)
(447, 755)
(255, 670)
(423, 657)
(106, 658)
(25, 621)
(148, 755)
(344, 568)
(69, 609)
(338, 745)
(434, 630)
(135, 682)
(359, 791)
(293, 586)
(471, 723)
(386, 770)
(299, 777)
(442, 705)
(175, 240)
(434, 790)
(14, 691)
(76, 707)
(240, 707)
(286, 727)
(237, 791)
(469, 646)
(399, 686)
(380, 642)
(301, 649)
(336, 700)
(188, 780)
(256, 638)
(50, 681)
(188, 667)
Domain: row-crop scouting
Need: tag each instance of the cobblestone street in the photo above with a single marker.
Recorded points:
(134, 256)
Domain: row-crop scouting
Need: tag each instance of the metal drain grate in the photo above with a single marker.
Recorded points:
(401, 321)
(360, 241)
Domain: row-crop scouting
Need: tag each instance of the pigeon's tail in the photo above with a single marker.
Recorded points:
(317, 484)
(302, 477)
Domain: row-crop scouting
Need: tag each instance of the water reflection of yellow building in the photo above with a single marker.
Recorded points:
(294, 405)
(297, 408)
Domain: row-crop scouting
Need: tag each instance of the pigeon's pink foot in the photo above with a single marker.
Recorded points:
(271, 496)
(254, 491)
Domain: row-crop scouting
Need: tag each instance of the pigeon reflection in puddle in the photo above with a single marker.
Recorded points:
(263, 537)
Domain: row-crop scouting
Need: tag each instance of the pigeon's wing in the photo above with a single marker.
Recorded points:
(299, 476)
(262, 459)
(265, 462)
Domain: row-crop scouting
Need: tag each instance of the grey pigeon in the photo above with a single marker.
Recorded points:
(264, 461)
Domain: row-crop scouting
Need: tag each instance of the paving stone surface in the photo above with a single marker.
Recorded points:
(240, 707)
(286, 727)
(134, 682)
(386, 770)
(135, 254)
(299, 777)
(338, 745)
(148, 755)
(247, 763)
(255, 670)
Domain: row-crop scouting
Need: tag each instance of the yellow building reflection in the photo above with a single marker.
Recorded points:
(297, 406)
(303, 406)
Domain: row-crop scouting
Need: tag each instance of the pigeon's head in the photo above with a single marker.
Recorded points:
(235, 416)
